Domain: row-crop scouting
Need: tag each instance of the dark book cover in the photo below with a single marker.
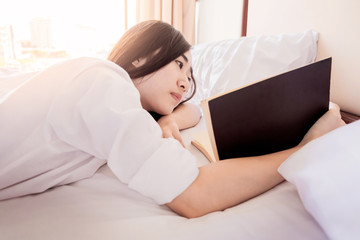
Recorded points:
(270, 115)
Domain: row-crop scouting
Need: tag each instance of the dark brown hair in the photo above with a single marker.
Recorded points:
(156, 41)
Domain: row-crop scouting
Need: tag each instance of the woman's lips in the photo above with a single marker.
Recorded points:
(176, 96)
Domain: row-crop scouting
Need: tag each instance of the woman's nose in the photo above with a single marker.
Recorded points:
(184, 84)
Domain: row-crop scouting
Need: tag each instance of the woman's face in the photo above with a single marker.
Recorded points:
(163, 90)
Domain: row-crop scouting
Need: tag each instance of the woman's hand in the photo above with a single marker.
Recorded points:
(186, 115)
(170, 128)
(328, 122)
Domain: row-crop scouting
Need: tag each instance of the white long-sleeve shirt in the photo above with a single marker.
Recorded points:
(60, 125)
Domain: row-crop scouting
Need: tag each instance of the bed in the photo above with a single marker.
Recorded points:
(318, 200)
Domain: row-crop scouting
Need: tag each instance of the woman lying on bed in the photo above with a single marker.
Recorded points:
(62, 124)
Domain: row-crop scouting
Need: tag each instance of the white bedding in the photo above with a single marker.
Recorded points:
(101, 207)
(326, 173)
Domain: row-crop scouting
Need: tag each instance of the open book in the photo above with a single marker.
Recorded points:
(267, 116)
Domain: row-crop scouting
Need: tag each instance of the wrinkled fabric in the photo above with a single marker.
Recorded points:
(233, 63)
(60, 125)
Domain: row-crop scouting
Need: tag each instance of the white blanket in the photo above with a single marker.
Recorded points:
(103, 208)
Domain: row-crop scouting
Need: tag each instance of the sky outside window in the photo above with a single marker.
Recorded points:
(38, 33)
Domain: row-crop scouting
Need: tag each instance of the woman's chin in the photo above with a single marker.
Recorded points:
(165, 111)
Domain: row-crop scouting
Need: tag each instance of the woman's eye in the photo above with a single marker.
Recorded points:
(179, 63)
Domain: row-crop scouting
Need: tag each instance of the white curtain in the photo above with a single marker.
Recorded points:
(179, 13)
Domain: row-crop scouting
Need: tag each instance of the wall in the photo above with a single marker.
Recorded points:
(218, 20)
(337, 21)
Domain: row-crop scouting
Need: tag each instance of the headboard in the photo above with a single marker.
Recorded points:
(336, 21)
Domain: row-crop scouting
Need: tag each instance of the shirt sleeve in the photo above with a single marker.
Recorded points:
(99, 112)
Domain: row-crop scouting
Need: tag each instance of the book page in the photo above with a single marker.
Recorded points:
(202, 142)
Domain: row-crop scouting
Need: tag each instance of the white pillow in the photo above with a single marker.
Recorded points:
(326, 173)
(228, 64)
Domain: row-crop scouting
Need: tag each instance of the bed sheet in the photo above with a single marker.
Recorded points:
(101, 207)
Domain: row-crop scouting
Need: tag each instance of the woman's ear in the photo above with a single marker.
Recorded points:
(139, 62)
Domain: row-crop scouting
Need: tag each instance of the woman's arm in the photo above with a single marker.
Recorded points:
(227, 183)
(186, 115)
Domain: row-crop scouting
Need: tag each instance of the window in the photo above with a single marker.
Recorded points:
(37, 33)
